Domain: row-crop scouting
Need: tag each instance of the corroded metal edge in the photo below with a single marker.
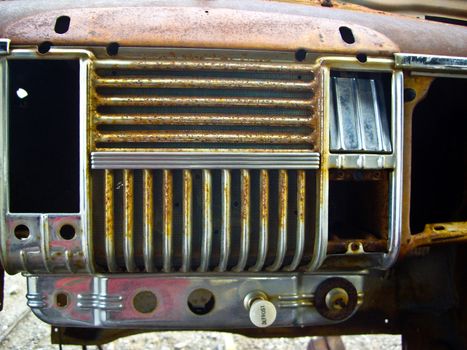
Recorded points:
(201, 160)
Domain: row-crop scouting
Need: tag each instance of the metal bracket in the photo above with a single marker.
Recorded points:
(4, 46)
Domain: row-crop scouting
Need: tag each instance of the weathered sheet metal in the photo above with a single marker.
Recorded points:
(227, 24)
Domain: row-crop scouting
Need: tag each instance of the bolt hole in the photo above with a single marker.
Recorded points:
(362, 58)
(145, 302)
(355, 246)
(300, 55)
(62, 24)
(347, 35)
(22, 232)
(235, 204)
(206, 11)
(439, 228)
(44, 47)
(201, 301)
(112, 49)
(409, 94)
(299, 77)
(61, 299)
(177, 204)
(67, 232)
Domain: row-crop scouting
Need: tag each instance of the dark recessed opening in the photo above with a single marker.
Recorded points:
(439, 124)
(22, 232)
(300, 55)
(358, 210)
(347, 35)
(44, 136)
(62, 24)
(112, 49)
(67, 232)
(145, 302)
(44, 47)
(61, 299)
(201, 301)
(362, 58)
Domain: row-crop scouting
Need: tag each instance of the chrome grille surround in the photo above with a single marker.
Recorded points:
(44, 252)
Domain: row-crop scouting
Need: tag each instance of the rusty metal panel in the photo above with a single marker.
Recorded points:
(176, 103)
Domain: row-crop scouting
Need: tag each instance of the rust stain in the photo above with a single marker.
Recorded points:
(420, 85)
(436, 233)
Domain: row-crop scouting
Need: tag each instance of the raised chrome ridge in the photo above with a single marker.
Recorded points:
(430, 62)
(104, 301)
(202, 160)
(4, 46)
(362, 161)
(358, 116)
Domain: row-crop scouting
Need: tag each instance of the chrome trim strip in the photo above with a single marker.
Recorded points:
(202, 160)
(430, 62)
(4, 164)
(395, 215)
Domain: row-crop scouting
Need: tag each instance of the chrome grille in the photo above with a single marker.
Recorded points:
(203, 104)
(203, 220)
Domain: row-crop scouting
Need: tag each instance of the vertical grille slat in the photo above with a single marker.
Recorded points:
(300, 239)
(167, 219)
(206, 244)
(148, 222)
(226, 221)
(128, 220)
(109, 222)
(263, 221)
(244, 221)
(187, 220)
(282, 234)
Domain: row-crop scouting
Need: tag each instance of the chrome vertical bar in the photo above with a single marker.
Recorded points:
(264, 221)
(282, 231)
(187, 216)
(244, 221)
(167, 212)
(109, 222)
(300, 240)
(128, 250)
(148, 220)
(225, 228)
(207, 222)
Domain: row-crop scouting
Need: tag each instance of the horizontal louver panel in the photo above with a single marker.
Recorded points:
(207, 104)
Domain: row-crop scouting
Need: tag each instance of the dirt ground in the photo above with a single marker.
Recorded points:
(20, 329)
